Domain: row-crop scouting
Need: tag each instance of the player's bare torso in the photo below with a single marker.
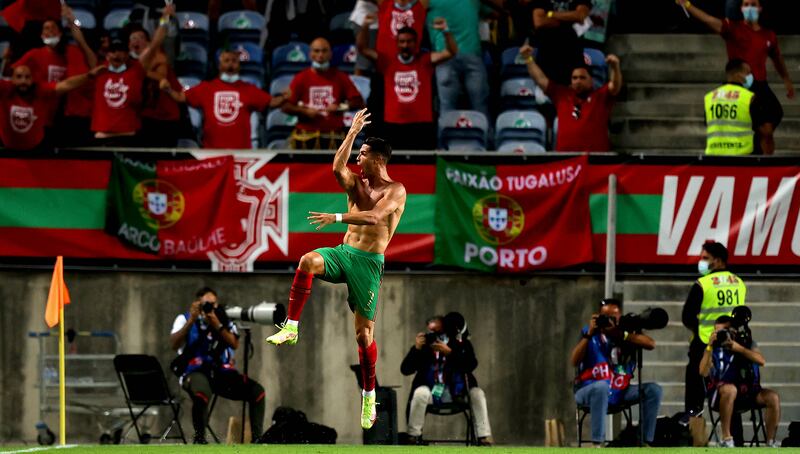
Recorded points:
(363, 197)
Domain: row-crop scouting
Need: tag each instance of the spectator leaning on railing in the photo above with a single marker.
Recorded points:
(407, 85)
(319, 96)
(227, 103)
(56, 61)
(747, 40)
(583, 112)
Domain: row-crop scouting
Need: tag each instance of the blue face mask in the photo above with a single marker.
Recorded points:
(229, 78)
(405, 7)
(750, 13)
(321, 66)
(117, 69)
(703, 267)
(748, 81)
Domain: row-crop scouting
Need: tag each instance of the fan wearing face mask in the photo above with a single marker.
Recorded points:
(714, 294)
(55, 61)
(747, 40)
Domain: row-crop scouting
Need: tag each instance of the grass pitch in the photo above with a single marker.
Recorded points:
(353, 449)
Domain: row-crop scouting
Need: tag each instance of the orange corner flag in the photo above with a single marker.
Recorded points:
(58, 297)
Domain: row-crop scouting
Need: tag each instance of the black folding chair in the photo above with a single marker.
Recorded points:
(756, 418)
(454, 408)
(144, 385)
(581, 412)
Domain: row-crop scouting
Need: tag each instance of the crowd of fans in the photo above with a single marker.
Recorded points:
(409, 61)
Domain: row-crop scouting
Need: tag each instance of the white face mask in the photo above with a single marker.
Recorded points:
(117, 69)
(229, 78)
(51, 41)
(703, 267)
(321, 66)
(134, 54)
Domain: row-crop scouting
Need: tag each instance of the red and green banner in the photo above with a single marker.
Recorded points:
(512, 218)
(177, 209)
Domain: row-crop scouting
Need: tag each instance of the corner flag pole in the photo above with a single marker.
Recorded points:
(54, 315)
(62, 389)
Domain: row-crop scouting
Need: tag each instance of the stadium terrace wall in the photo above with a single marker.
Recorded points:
(523, 332)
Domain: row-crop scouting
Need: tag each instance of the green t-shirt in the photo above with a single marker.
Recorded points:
(462, 19)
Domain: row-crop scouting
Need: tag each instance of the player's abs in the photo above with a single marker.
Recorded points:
(368, 238)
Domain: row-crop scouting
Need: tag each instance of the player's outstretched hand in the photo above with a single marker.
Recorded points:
(321, 219)
(360, 119)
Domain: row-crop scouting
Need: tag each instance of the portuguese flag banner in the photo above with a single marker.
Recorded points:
(512, 218)
(176, 209)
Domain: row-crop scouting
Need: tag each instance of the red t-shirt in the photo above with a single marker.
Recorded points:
(226, 111)
(407, 88)
(749, 45)
(118, 100)
(391, 19)
(319, 90)
(23, 119)
(582, 123)
(159, 105)
(49, 66)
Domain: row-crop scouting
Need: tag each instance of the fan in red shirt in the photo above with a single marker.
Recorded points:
(319, 96)
(227, 103)
(582, 111)
(56, 61)
(116, 117)
(747, 40)
(24, 105)
(395, 15)
(407, 85)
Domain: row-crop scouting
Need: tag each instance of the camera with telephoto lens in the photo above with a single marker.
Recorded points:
(649, 319)
(263, 313)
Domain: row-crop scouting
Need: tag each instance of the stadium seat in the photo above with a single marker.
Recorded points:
(520, 126)
(290, 58)
(242, 25)
(194, 27)
(251, 58)
(596, 61)
(188, 82)
(280, 144)
(253, 79)
(279, 126)
(363, 85)
(344, 57)
(195, 115)
(512, 64)
(85, 18)
(280, 85)
(520, 93)
(256, 130)
(463, 130)
(192, 60)
(521, 146)
(341, 31)
(116, 19)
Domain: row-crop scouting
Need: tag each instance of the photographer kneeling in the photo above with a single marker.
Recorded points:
(732, 360)
(205, 340)
(443, 360)
(606, 359)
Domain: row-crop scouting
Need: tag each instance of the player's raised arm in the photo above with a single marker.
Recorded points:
(346, 178)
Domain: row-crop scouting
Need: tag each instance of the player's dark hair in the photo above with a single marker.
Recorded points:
(734, 66)
(379, 146)
(409, 31)
(716, 250)
(199, 294)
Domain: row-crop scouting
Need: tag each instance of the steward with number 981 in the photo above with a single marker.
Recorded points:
(714, 294)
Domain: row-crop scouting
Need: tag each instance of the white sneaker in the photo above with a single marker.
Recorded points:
(727, 443)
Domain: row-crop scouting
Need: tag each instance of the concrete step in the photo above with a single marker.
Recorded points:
(700, 74)
(676, 290)
(789, 392)
(695, 127)
(785, 372)
(692, 43)
(672, 351)
(676, 109)
(762, 311)
(762, 332)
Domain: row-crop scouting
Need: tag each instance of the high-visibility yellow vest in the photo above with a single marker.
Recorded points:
(722, 291)
(729, 127)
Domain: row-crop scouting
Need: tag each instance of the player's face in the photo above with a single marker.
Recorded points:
(406, 43)
(138, 42)
(581, 81)
(229, 63)
(21, 78)
(50, 29)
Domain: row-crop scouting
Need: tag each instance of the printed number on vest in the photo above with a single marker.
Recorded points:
(723, 111)
(727, 297)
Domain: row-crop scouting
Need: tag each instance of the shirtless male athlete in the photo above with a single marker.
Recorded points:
(374, 206)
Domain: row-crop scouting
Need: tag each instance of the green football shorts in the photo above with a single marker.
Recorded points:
(362, 271)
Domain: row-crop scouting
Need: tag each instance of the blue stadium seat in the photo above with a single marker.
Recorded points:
(251, 58)
(192, 60)
(341, 31)
(512, 64)
(290, 58)
(194, 27)
(519, 93)
(340, 21)
(520, 126)
(85, 18)
(116, 19)
(344, 57)
(463, 130)
(242, 25)
(256, 130)
(195, 115)
(596, 61)
(363, 85)
(280, 85)
(279, 126)
(253, 79)
(521, 146)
